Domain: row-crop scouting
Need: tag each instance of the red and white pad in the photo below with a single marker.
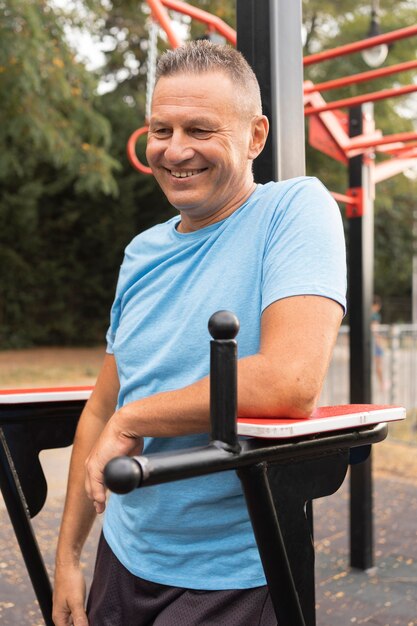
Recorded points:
(323, 419)
(49, 394)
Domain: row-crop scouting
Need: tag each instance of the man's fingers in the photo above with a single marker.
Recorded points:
(61, 618)
(79, 618)
(94, 485)
(74, 617)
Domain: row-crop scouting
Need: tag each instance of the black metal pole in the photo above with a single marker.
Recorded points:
(122, 474)
(271, 545)
(269, 37)
(360, 288)
(24, 533)
(223, 327)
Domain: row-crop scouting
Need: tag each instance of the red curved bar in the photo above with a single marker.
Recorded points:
(131, 150)
(159, 13)
(202, 16)
(357, 46)
(161, 16)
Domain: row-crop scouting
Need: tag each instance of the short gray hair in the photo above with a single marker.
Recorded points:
(196, 57)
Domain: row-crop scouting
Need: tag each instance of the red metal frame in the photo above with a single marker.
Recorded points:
(131, 151)
(359, 143)
(369, 97)
(337, 83)
(353, 199)
(212, 21)
(370, 141)
(328, 127)
(357, 46)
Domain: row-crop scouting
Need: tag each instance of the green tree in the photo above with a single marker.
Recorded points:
(69, 199)
(48, 105)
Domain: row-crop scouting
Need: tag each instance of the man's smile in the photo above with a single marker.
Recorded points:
(185, 173)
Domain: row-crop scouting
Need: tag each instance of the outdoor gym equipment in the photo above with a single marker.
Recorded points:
(285, 465)
(288, 464)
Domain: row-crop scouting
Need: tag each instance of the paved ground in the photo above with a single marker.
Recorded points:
(386, 597)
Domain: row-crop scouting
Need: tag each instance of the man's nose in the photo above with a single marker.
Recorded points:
(179, 148)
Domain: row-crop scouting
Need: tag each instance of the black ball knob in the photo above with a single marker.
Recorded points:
(122, 474)
(223, 325)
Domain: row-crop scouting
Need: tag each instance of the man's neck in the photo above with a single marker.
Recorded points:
(190, 223)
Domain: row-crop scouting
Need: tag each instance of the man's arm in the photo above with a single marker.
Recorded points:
(79, 513)
(284, 378)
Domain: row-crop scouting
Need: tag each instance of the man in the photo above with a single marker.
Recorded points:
(184, 552)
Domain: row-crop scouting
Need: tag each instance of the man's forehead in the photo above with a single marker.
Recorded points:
(195, 91)
(195, 85)
(196, 76)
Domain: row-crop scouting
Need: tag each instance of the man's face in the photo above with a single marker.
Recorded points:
(199, 143)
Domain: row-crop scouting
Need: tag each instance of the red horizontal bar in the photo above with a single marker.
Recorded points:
(398, 147)
(340, 197)
(361, 78)
(370, 143)
(392, 167)
(357, 46)
(370, 97)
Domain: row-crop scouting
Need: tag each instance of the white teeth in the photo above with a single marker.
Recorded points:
(185, 174)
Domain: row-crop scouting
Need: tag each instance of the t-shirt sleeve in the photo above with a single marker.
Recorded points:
(305, 251)
(115, 314)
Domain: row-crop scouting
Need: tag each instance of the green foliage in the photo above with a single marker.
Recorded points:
(394, 239)
(48, 113)
(69, 199)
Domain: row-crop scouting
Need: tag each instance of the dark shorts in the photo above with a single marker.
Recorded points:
(117, 598)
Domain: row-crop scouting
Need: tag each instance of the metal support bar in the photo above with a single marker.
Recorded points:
(19, 517)
(363, 77)
(161, 468)
(25, 430)
(266, 31)
(271, 545)
(357, 46)
(360, 277)
(356, 100)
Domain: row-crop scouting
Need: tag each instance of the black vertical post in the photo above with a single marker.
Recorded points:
(360, 266)
(269, 37)
(254, 41)
(20, 520)
(267, 530)
(223, 327)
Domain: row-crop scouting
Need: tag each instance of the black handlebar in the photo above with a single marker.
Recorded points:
(122, 474)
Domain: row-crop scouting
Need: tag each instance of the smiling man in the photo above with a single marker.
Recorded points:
(184, 553)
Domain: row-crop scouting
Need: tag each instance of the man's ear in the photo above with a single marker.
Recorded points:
(259, 134)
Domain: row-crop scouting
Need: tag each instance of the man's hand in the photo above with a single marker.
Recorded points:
(114, 441)
(69, 596)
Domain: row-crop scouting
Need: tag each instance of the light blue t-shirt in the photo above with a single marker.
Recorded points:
(286, 240)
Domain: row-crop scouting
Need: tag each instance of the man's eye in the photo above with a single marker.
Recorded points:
(200, 132)
(161, 132)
